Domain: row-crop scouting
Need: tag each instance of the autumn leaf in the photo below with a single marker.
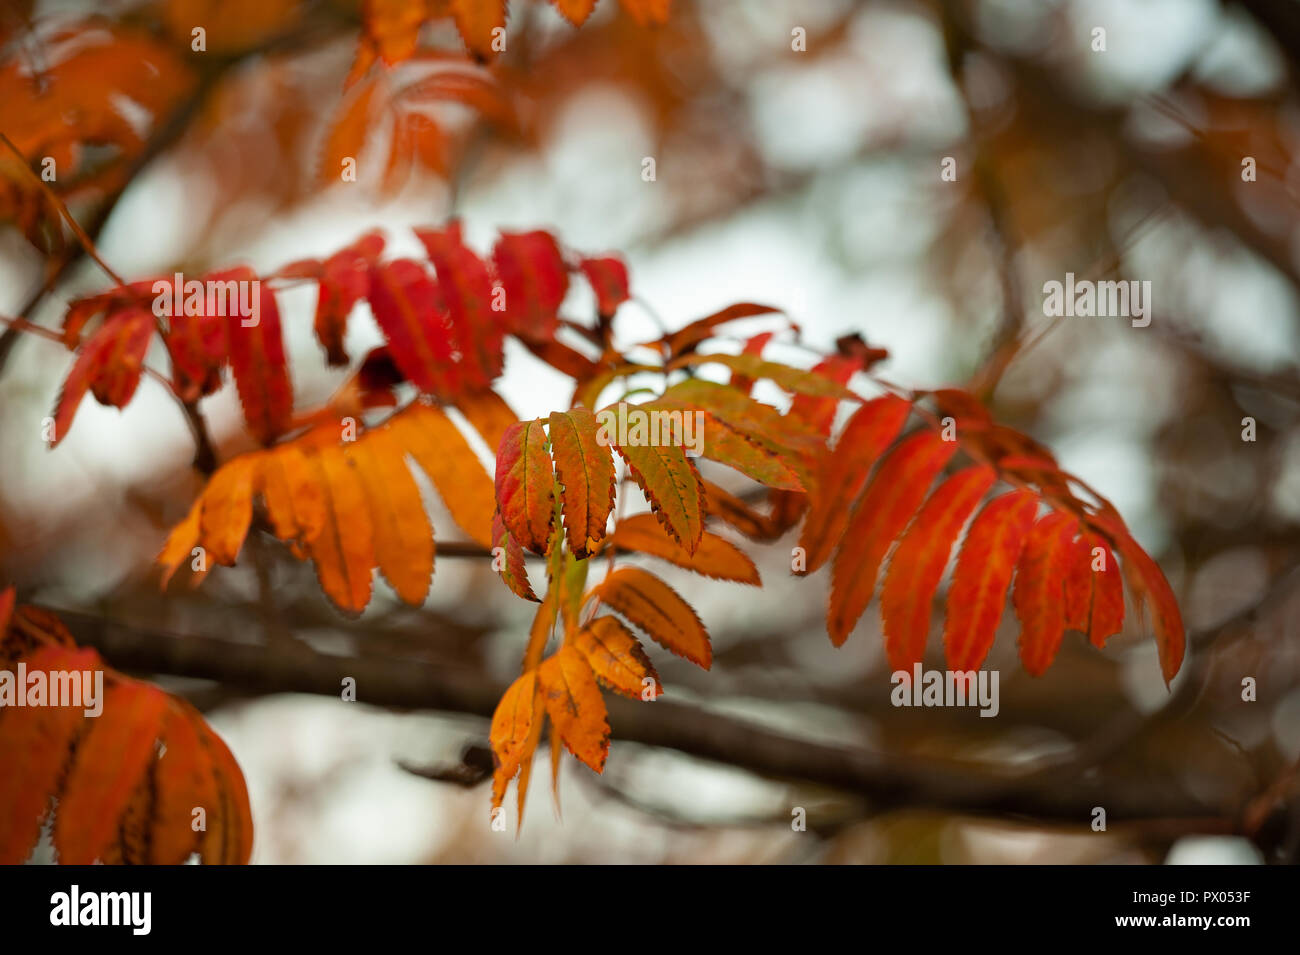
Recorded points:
(403, 538)
(889, 502)
(117, 750)
(907, 596)
(109, 365)
(659, 610)
(616, 658)
(513, 734)
(982, 575)
(1039, 594)
(258, 363)
(574, 703)
(608, 279)
(525, 485)
(714, 557)
(585, 470)
(509, 557)
(343, 551)
(844, 472)
(535, 280)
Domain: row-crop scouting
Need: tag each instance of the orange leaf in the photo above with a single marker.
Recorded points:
(117, 750)
(489, 415)
(575, 706)
(715, 557)
(1039, 594)
(892, 497)
(983, 573)
(228, 508)
(575, 11)
(915, 569)
(658, 610)
(514, 731)
(616, 657)
(343, 551)
(403, 539)
(183, 780)
(844, 472)
(229, 838)
(525, 485)
(797, 380)
(442, 452)
(346, 140)
(476, 19)
(35, 744)
(180, 544)
(291, 490)
(585, 469)
(689, 336)
(648, 12)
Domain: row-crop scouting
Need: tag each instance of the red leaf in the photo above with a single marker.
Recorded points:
(257, 360)
(917, 565)
(533, 274)
(983, 574)
(608, 279)
(467, 291)
(1039, 595)
(525, 485)
(109, 364)
(406, 305)
(844, 472)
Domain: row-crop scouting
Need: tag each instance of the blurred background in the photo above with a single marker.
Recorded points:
(799, 149)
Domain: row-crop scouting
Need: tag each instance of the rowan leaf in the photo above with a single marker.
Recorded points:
(513, 736)
(405, 304)
(442, 452)
(789, 378)
(467, 291)
(509, 560)
(608, 279)
(983, 573)
(535, 280)
(844, 472)
(229, 837)
(575, 11)
(714, 557)
(915, 569)
(228, 508)
(648, 12)
(525, 485)
(258, 363)
(36, 743)
(662, 470)
(1149, 581)
(343, 551)
(109, 364)
(403, 539)
(183, 780)
(880, 515)
(584, 468)
(476, 20)
(574, 703)
(1039, 593)
(659, 610)
(290, 488)
(616, 657)
(686, 338)
(115, 753)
